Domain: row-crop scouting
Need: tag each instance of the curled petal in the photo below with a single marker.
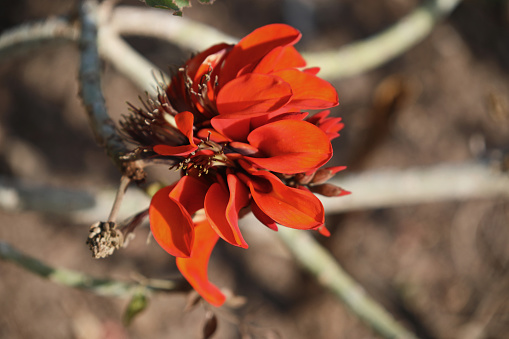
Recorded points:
(184, 123)
(235, 129)
(280, 58)
(290, 146)
(222, 208)
(309, 91)
(171, 224)
(255, 45)
(174, 150)
(205, 62)
(190, 193)
(243, 148)
(324, 231)
(212, 135)
(291, 207)
(253, 94)
(195, 268)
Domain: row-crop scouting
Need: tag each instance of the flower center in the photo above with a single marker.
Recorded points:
(208, 156)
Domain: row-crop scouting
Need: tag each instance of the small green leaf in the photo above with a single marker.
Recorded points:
(175, 5)
(136, 305)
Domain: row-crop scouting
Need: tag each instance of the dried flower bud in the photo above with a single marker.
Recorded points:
(324, 174)
(303, 178)
(329, 190)
(104, 238)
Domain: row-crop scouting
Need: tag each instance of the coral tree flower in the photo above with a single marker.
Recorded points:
(233, 121)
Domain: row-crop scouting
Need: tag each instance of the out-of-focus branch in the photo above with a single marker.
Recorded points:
(155, 23)
(392, 188)
(26, 36)
(348, 60)
(362, 56)
(373, 189)
(80, 280)
(325, 268)
(128, 61)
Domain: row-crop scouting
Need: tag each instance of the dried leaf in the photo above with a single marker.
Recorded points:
(193, 298)
(210, 326)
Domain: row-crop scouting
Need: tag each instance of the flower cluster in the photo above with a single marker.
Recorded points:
(234, 121)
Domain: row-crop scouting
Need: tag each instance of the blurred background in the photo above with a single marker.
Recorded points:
(441, 268)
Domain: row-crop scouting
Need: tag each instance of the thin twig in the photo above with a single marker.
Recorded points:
(119, 197)
(80, 280)
(329, 273)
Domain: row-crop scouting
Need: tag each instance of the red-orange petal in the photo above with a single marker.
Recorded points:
(205, 62)
(290, 207)
(212, 135)
(184, 121)
(280, 58)
(174, 150)
(195, 268)
(290, 146)
(197, 66)
(255, 46)
(235, 129)
(324, 231)
(239, 198)
(218, 208)
(253, 94)
(171, 224)
(190, 193)
(309, 91)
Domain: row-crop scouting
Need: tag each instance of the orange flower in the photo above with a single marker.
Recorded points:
(232, 121)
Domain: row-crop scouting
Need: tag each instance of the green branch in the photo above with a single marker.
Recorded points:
(362, 56)
(27, 36)
(80, 280)
(314, 258)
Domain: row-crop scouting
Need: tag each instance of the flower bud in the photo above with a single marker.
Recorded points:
(329, 190)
